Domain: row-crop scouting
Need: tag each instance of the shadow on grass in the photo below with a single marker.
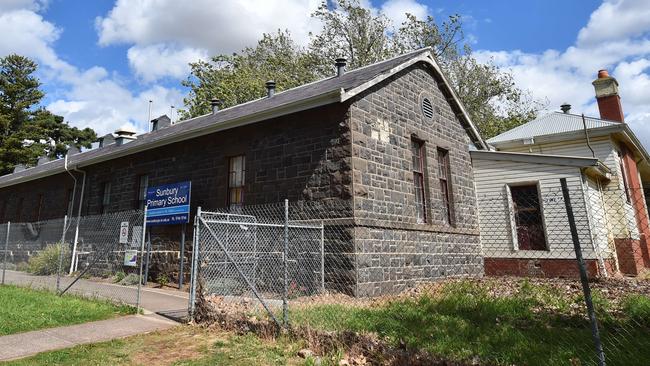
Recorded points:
(464, 323)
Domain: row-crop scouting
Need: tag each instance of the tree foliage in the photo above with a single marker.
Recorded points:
(363, 36)
(240, 77)
(29, 132)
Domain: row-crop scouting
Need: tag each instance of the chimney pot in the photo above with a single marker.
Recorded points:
(609, 102)
(566, 107)
(270, 88)
(124, 136)
(340, 64)
(215, 103)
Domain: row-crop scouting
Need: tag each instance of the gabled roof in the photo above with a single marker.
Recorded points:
(555, 123)
(334, 89)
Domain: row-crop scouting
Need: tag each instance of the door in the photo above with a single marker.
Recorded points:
(528, 217)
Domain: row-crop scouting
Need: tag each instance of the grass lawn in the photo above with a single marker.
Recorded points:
(23, 309)
(183, 345)
(463, 321)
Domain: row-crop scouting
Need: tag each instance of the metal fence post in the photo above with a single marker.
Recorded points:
(141, 256)
(322, 256)
(285, 300)
(61, 250)
(182, 258)
(195, 258)
(4, 259)
(583, 274)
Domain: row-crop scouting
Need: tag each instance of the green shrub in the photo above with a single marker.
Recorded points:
(162, 279)
(119, 276)
(130, 280)
(22, 267)
(46, 262)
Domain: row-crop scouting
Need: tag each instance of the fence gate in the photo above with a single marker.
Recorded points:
(257, 255)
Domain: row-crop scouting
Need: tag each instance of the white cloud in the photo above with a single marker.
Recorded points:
(223, 26)
(622, 46)
(34, 5)
(88, 98)
(616, 20)
(396, 10)
(160, 60)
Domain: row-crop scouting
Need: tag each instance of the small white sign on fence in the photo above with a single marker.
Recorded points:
(131, 258)
(124, 232)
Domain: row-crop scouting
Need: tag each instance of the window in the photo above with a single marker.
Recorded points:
(417, 156)
(528, 217)
(236, 179)
(106, 198)
(40, 207)
(19, 209)
(3, 211)
(626, 187)
(68, 208)
(143, 184)
(444, 177)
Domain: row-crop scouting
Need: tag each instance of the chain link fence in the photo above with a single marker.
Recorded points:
(533, 274)
(92, 256)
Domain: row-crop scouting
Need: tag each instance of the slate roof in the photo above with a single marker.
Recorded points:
(550, 124)
(182, 130)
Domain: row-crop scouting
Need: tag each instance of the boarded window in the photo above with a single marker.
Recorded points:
(236, 179)
(106, 198)
(417, 155)
(141, 195)
(528, 217)
(444, 177)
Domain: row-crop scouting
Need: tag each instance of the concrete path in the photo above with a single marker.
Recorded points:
(30, 343)
(168, 302)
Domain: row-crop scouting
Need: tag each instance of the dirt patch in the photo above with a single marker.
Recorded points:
(162, 349)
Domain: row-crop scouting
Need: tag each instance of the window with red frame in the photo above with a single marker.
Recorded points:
(417, 155)
(444, 176)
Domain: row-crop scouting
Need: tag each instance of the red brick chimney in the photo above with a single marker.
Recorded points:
(609, 103)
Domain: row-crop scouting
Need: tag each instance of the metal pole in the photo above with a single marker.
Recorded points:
(583, 274)
(322, 256)
(285, 300)
(4, 260)
(61, 250)
(180, 269)
(195, 264)
(146, 269)
(141, 256)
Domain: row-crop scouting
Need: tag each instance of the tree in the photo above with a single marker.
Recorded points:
(363, 36)
(240, 77)
(18, 91)
(351, 31)
(28, 132)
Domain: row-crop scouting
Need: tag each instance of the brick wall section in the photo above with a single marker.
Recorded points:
(393, 250)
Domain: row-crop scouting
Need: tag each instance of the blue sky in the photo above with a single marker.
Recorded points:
(103, 60)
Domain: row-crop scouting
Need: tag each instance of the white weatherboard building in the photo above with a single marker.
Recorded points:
(522, 214)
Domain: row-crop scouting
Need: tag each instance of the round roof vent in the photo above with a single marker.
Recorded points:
(427, 108)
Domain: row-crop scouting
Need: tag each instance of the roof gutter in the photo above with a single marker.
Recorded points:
(135, 147)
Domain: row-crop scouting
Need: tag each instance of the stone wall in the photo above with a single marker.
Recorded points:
(393, 250)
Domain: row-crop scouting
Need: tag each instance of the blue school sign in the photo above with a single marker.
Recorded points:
(169, 204)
